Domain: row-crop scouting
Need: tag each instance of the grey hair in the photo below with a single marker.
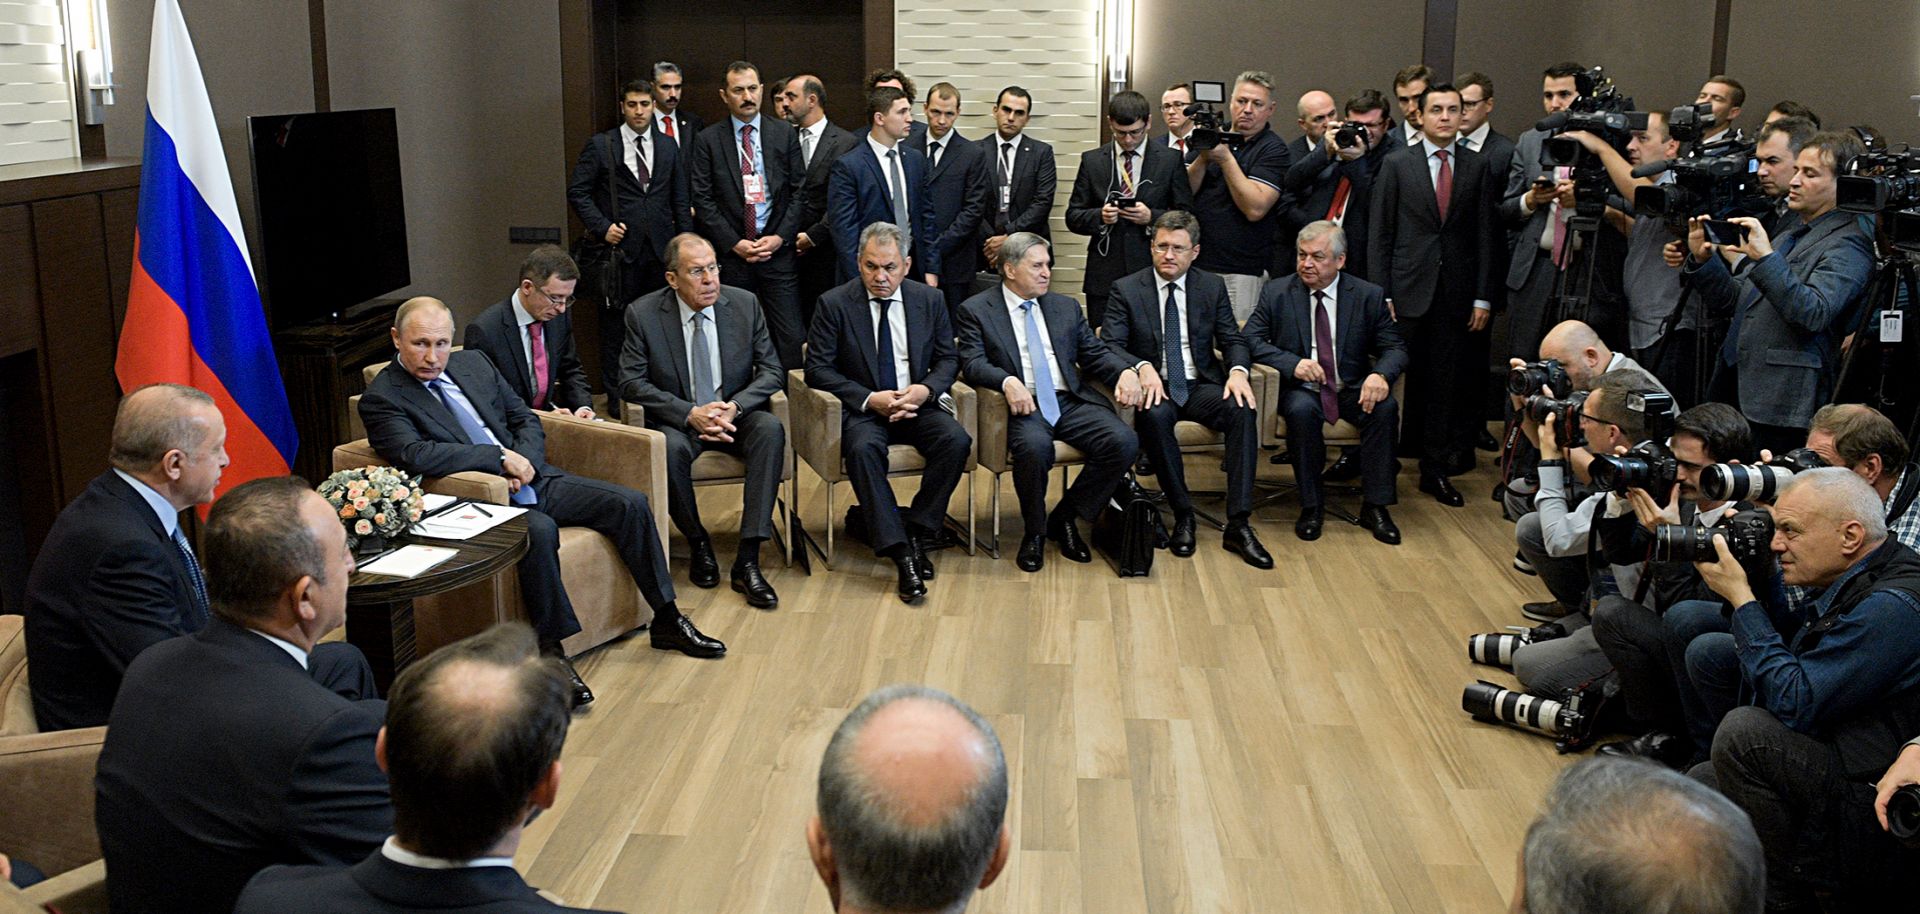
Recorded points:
(144, 432)
(1328, 229)
(894, 866)
(677, 245)
(1844, 496)
(1629, 836)
(885, 233)
(1260, 78)
(1015, 248)
(666, 66)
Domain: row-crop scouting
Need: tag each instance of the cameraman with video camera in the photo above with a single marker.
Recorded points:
(1236, 191)
(1831, 692)
(1332, 179)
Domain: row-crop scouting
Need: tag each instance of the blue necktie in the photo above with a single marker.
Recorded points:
(883, 349)
(476, 433)
(1730, 350)
(194, 616)
(705, 389)
(1042, 375)
(1176, 362)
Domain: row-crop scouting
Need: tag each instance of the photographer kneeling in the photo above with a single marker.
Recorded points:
(1833, 690)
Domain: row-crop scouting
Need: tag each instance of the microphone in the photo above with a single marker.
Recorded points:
(1652, 168)
(1553, 121)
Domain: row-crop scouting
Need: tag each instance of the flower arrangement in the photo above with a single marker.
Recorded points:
(374, 503)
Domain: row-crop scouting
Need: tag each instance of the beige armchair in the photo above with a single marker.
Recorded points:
(602, 591)
(816, 438)
(1273, 432)
(1194, 438)
(46, 792)
(717, 468)
(990, 446)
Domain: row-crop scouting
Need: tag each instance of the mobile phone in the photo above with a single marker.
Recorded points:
(1543, 182)
(1721, 231)
(1119, 198)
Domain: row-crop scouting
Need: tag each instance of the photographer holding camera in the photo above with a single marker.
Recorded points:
(1236, 193)
(1833, 690)
(1332, 179)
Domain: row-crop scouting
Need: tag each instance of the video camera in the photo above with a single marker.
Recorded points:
(1208, 129)
(1604, 112)
(1719, 179)
(1882, 180)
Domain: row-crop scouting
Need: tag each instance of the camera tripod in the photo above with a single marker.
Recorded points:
(1879, 379)
(1572, 297)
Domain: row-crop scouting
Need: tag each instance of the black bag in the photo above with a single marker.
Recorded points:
(1124, 534)
(601, 263)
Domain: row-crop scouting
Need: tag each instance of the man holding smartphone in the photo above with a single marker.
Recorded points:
(1121, 188)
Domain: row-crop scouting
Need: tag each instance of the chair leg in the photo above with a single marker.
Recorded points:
(828, 557)
(972, 541)
(995, 548)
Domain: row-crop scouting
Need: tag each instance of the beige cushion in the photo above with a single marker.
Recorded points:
(16, 703)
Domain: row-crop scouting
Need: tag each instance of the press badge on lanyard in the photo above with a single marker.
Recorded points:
(756, 188)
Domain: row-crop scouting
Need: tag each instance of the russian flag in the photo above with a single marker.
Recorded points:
(194, 314)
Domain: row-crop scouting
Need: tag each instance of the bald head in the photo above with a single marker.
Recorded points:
(912, 803)
(1316, 110)
(1578, 349)
(173, 438)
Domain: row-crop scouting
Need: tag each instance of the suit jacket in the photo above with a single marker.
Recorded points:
(377, 885)
(960, 190)
(1499, 150)
(1313, 179)
(1789, 337)
(1136, 325)
(496, 332)
(1163, 186)
(653, 214)
(842, 354)
(107, 585)
(1280, 330)
(719, 197)
(1035, 178)
(1523, 168)
(1409, 246)
(408, 425)
(990, 353)
(224, 756)
(860, 193)
(834, 142)
(654, 362)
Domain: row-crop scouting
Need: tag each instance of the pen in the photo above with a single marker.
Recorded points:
(477, 507)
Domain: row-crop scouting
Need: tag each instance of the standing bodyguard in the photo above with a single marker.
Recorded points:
(1119, 191)
(882, 180)
(822, 143)
(1024, 175)
(959, 191)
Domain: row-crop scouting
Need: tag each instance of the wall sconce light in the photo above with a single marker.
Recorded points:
(88, 35)
(1116, 18)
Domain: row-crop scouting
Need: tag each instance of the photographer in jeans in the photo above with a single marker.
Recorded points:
(1832, 691)
(1629, 630)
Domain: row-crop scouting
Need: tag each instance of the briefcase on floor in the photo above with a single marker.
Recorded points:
(1123, 533)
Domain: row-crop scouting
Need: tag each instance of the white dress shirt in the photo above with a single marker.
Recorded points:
(1332, 293)
(637, 152)
(713, 344)
(522, 320)
(897, 329)
(1019, 318)
(810, 140)
(1179, 284)
(1433, 175)
(293, 650)
(1477, 140)
(880, 151)
(941, 146)
(394, 852)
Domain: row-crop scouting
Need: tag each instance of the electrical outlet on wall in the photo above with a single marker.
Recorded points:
(532, 234)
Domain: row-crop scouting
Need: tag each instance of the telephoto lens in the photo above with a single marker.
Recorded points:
(1738, 482)
(1496, 648)
(1749, 535)
(1491, 703)
(1903, 815)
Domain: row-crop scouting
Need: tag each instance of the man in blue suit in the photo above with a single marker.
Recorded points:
(881, 180)
(959, 189)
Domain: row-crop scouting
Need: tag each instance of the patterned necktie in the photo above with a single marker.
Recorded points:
(537, 345)
(1042, 375)
(1126, 174)
(641, 172)
(194, 616)
(476, 432)
(1443, 186)
(806, 148)
(705, 388)
(1323, 345)
(1730, 350)
(1176, 360)
(899, 199)
(752, 230)
(883, 348)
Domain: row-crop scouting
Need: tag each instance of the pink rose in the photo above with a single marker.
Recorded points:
(400, 492)
(361, 503)
(361, 527)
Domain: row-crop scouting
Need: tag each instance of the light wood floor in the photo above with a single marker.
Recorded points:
(1208, 739)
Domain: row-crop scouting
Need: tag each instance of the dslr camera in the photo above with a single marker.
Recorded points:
(1759, 482)
(1527, 380)
(1567, 429)
(1749, 535)
(1349, 136)
(1209, 130)
(1648, 466)
(1572, 718)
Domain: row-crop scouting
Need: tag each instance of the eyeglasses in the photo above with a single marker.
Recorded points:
(712, 269)
(1173, 106)
(562, 302)
(1120, 134)
(1470, 105)
(1165, 248)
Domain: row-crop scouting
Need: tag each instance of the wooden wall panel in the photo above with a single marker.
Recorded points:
(77, 348)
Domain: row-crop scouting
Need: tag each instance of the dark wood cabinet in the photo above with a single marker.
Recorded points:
(322, 365)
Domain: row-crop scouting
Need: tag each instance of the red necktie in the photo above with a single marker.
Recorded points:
(1339, 198)
(746, 168)
(669, 125)
(1443, 188)
(537, 343)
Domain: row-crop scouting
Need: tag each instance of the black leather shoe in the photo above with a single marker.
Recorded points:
(1180, 543)
(1376, 518)
(702, 568)
(1486, 441)
(1279, 457)
(1307, 527)
(1665, 748)
(911, 587)
(1441, 489)
(579, 696)
(680, 635)
(1061, 529)
(1033, 553)
(748, 580)
(922, 566)
(1239, 539)
(1344, 469)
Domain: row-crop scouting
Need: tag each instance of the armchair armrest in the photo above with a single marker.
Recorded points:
(611, 452)
(46, 788)
(966, 411)
(76, 891)
(1125, 412)
(816, 433)
(993, 418)
(470, 486)
(1268, 385)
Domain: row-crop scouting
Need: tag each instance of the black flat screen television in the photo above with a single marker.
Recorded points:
(327, 191)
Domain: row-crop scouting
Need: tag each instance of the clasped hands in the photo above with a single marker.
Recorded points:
(713, 421)
(759, 250)
(896, 405)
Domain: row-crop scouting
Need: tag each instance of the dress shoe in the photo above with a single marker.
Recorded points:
(1307, 527)
(702, 568)
(1180, 542)
(1033, 553)
(1281, 457)
(1062, 530)
(911, 585)
(1665, 748)
(1441, 489)
(1486, 441)
(1376, 518)
(579, 696)
(1346, 468)
(678, 634)
(917, 550)
(748, 580)
(1545, 612)
(1523, 566)
(1239, 539)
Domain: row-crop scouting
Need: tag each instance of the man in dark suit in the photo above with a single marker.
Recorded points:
(435, 412)
(1148, 179)
(1537, 203)
(700, 361)
(1432, 248)
(747, 175)
(822, 143)
(1318, 114)
(959, 189)
(1171, 318)
(884, 347)
(882, 180)
(223, 754)
(1408, 85)
(668, 87)
(472, 753)
(1036, 348)
(895, 78)
(1338, 352)
(1023, 173)
(1173, 106)
(629, 209)
(1333, 182)
(529, 336)
(1476, 130)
